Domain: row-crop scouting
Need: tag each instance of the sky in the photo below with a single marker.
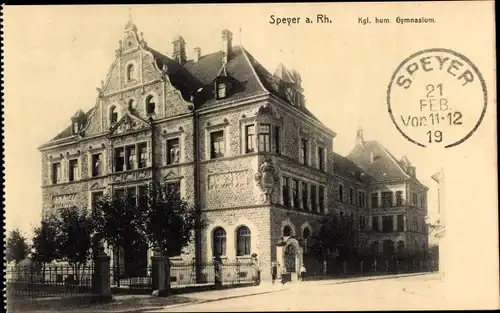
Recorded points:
(55, 57)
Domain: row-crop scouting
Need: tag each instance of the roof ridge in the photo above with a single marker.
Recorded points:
(393, 158)
(246, 56)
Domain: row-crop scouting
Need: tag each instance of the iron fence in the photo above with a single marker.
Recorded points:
(139, 279)
(183, 274)
(49, 280)
(372, 267)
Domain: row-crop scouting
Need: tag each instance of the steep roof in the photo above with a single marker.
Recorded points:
(383, 167)
(249, 76)
(345, 167)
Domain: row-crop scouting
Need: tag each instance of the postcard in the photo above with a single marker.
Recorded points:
(250, 157)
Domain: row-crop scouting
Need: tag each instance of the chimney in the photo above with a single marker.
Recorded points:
(227, 42)
(360, 141)
(197, 54)
(179, 53)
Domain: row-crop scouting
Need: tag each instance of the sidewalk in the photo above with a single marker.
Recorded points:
(268, 287)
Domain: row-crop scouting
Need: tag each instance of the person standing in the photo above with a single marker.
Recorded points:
(274, 271)
(302, 272)
(283, 275)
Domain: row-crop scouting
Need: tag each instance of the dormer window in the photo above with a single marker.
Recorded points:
(130, 72)
(76, 128)
(221, 90)
(113, 115)
(150, 105)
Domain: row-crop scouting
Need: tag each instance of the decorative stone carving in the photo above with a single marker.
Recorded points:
(267, 177)
(128, 176)
(227, 180)
(129, 124)
(64, 201)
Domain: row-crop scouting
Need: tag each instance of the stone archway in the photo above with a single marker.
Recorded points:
(289, 256)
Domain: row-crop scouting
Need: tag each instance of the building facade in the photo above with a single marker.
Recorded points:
(238, 143)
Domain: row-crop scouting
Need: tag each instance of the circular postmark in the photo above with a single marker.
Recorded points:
(437, 97)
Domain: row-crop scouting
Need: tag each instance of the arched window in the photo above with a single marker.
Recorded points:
(219, 242)
(130, 72)
(131, 104)
(388, 247)
(243, 240)
(150, 105)
(374, 247)
(306, 235)
(113, 114)
(287, 231)
(401, 246)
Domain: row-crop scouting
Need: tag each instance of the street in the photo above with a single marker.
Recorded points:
(416, 292)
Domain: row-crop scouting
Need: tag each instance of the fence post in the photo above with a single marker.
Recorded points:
(375, 266)
(387, 266)
(397, 266)
(102, 286)
(421, 266)
(345, 268)
(361, 268)
(158, 272)
(324, 267)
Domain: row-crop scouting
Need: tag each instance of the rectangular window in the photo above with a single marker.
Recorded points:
(401, 223)
(131, 158)
(305, 196)
(399, 198)
(119, 159)
(361, 222)
(143, 194)
(351, 196)
(174, 189)
(341, 193)
(96, 196)
(131, 195)
(265, 137)
(286, 191)
(314, 202)
(321, 158)
(321, 199)
(143, 155)
(96, 165)
(375, 223)
(303, 151)
(361, 199)
(415, 199)
(217, 144)
(387, 224)
(277, 139)
(56, 173)
(387, 199)
(173, 151)
(422, 202)
(295, 193)
(120, 193)
(415, 223)
(250, 135)
(73, 170)
(374, 200)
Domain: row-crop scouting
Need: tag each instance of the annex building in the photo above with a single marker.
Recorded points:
(240, 144)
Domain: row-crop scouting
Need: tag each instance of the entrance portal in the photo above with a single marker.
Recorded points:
(290, 259)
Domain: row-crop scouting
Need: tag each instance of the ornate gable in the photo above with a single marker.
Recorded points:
(129, 123)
